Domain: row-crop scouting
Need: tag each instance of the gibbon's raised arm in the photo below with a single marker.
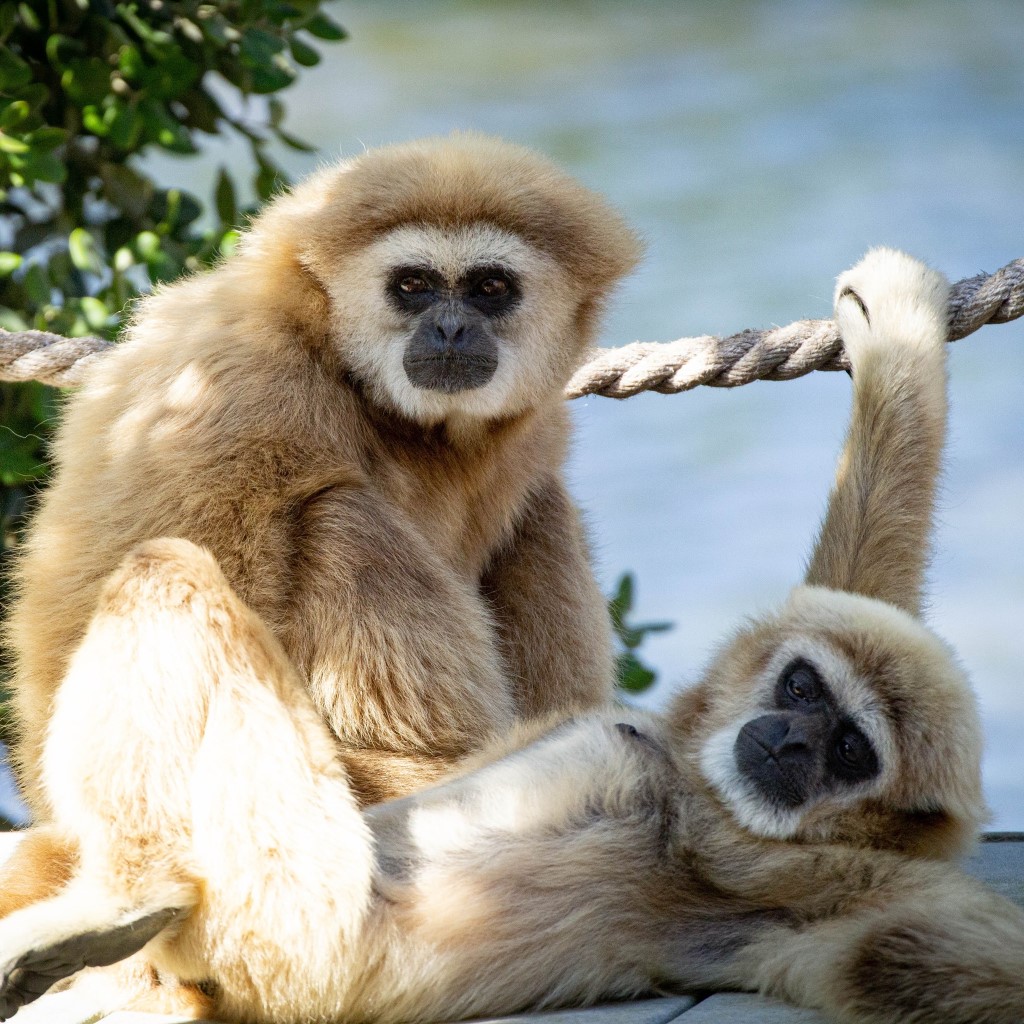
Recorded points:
(802, 722)
(875, 537)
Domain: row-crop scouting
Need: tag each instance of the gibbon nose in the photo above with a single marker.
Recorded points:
(780, 735)
(449, 330)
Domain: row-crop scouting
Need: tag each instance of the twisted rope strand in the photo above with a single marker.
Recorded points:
(780, 353)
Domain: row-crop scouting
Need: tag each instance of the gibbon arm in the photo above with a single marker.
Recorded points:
(874, 540)
(397, 653)
(930, 946)
(552, 620)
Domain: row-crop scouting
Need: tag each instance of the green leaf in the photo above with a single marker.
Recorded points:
(14, 113)
(14, 71)
(9, 144)
(278, 74)
(84, 251)
(11, 321)
(97, 316)
(29, 18)
(126, 189)
(294, 143)
(224, 197)
(43, 167)
(258, 47)
(61, 49)
(125, 124)
(303, 54)
(324, 28)
(229, 243)
(36, 283)
(632, 676)
(9, 262)
(269, 180)
(47, 139)
(148, 244)
(131, 63)
(35, 95)
(8, 20)
(86, 80)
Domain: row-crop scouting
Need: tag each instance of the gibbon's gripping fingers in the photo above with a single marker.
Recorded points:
(28, 974)
(397, 650)
(934, 948)
(226, 783)
(551, 617)
(891, 311)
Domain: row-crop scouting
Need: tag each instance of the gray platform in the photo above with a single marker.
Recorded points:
(999, 862)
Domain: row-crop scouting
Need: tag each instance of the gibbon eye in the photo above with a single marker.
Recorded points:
(411, 284)
(493, 287)
(802, 684)
(849, 750)
(853, 757)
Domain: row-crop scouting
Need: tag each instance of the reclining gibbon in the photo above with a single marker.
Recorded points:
(360, 416)
(785, 826)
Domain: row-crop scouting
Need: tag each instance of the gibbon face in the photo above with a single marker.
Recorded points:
(469, 320)
(843, 703)
(464, 276)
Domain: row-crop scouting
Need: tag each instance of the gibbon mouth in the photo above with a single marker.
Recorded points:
(449, 373)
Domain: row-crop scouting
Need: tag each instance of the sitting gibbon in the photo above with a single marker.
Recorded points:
(785, 827)
(360, 416)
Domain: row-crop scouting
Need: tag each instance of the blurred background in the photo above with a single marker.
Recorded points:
(760, 148)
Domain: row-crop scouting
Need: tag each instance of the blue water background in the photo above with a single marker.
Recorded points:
(760, 148)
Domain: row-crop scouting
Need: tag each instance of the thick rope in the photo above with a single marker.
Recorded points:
(780, 353)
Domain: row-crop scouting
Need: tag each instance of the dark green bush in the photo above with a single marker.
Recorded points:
(85, 87)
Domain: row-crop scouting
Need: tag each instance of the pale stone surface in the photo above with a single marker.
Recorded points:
(740, 1008)
(644, 1011)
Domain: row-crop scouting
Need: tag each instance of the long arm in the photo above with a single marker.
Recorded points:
(397, 653)
(552, 620)
(874, 540)
(930, 947)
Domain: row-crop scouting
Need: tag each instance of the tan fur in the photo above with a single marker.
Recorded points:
(611, 855)
(42, 863)
(401, 546)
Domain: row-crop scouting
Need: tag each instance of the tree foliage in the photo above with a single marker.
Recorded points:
(86, 86)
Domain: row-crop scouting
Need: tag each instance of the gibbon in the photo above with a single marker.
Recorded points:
(786, 827)
(360, 415)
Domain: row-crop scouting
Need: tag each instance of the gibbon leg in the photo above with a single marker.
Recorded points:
(552, 619)
(203, 790)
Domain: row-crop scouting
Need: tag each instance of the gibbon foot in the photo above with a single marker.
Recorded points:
(27, 975)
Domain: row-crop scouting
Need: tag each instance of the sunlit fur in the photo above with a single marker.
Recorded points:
(612, 854)
(410, 549)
